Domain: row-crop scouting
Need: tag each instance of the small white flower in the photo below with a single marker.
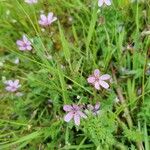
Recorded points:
(78, 97)
(69, 87)
(16, 61)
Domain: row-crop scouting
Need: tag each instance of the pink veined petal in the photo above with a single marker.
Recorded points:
(97, 86)
(105, 77)
(19, 42)
(50, 17)
(100, 3)
(96, 73)
(76, 107)
(29, 48)
(97, 106)
(43, 18)
(69, 116)
(67, 108)
(77, 119)
(82, 114)
(13, 89)
(108, 2)
(16, 84)
(91, 79)
(8, 88)
(104, 84)
(28, 43)
(9, 82)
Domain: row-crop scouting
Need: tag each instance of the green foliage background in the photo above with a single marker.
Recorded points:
(85, 37)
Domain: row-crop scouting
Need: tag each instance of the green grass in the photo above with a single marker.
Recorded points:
(84, 37)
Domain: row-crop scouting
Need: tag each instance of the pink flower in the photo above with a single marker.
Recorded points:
(74, 112)
(24, 44)
(12, 86)
(47, 20)
(94, 109)
(96, 80)
(102, 2)
(31, 1)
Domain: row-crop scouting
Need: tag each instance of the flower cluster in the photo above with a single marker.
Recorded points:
(12, 86)
(74, 111)
(24, 44)
(98, 80)
(47, 20)
(94, 109)
(77, 112)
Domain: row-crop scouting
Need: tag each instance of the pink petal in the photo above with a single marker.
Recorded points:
(96, 73)
(25, 39)
(100, 3)
(97, 106)
(91, 79)
(105, 77)
(9, 82)
(67, 108)
(28, 42)
(42, 23)
(29, 48)
(43, 18)
(97, 86)
(82, 114)
(108, 2)
(49, 17)
(77, 119)
(13, 89)
(19, 42)
(104, 84)
(76, 107)
(8, 88)
(69, 116)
